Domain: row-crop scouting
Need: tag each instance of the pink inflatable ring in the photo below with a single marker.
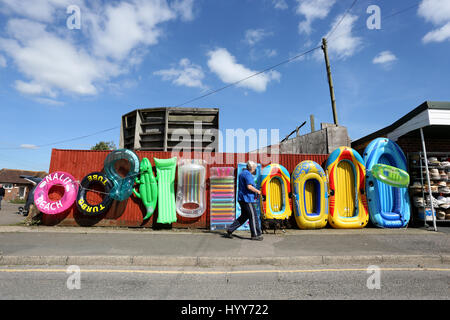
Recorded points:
(44, 204)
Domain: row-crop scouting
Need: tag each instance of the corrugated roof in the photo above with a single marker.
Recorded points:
(424, 106)
(13, 175)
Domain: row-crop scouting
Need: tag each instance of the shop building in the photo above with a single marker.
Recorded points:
(424, 136)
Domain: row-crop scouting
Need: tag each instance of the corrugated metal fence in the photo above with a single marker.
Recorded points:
(130, 213)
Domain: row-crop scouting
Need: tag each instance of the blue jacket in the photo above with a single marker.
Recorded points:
(246, 178)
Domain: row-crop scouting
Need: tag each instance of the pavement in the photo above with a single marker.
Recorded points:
(94, 246)
(200, 248)
(9, 214)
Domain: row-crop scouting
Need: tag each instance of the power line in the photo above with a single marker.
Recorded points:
(244, 79)
(251, 76)
(65, 141)
(297, 56)
(342, 19)
(385, 18)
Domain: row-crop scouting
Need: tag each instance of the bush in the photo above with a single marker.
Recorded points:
(18, 201)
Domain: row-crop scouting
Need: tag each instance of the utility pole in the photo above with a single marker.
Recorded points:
(313, 127)
(330, 80)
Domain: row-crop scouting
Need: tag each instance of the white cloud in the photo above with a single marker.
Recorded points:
(385, 57)
(114, 37)
(40, 10)
(280, 4)
(253, 36)
(224, 65)
(3, 63)
(52, 62)
(126, 26)
(270, 53)
(436, 12)
(28, 146)
(49, 102)
(189, 74)
(32, 88)
(345, 44)
(184, 8)
(438, 35)
(312, 10)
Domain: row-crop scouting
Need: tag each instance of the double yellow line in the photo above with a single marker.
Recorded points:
(183, 272)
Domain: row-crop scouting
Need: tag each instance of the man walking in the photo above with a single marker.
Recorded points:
(247, 199)
(2, 194)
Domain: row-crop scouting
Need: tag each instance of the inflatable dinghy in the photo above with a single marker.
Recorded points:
(275, 188)
(389, 206)
(346, 184)
(310, 195)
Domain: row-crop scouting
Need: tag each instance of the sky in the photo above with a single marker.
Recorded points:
(72, 68)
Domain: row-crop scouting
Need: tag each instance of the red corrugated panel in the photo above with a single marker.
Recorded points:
(130, 213)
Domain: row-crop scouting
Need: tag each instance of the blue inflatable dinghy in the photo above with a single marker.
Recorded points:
(389, 207)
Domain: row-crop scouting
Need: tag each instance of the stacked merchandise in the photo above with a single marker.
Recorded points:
(439, 172)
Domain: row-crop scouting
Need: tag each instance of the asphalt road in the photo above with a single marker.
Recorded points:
(269, 283)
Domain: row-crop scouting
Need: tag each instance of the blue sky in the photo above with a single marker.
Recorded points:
(58, 83)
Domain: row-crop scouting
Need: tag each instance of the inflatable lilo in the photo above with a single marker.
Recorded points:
(275, 188)
(346, 185)
(386, 184)
(191, 197)
(83, 205)
(47, 206)
(148, 188)
(165, 175)
(310, 195)
(221, 197)
(123, 186)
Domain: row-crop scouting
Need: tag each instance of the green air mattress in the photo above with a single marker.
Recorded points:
(165, 174)
(148, 188)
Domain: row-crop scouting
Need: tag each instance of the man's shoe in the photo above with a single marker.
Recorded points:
(258, 238)
(228, 235)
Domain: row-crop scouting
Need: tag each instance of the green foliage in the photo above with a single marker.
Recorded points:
(104, 146)
(18, 201)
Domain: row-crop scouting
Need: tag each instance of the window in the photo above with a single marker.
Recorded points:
(8, 186)
(21, 192)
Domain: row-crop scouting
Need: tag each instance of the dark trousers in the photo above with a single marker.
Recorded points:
(248, 212)
(1, 198)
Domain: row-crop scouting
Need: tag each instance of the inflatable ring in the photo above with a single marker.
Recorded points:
(83, 205)
(47, 206)
(123, 187)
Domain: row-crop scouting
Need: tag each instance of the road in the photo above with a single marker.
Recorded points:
(262, 283)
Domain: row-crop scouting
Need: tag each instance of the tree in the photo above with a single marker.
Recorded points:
(104, 146)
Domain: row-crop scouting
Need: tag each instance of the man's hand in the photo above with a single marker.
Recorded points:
(252, 188)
